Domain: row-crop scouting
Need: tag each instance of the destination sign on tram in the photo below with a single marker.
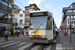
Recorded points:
(38, 14)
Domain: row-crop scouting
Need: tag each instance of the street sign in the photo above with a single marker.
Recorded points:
(15, 24)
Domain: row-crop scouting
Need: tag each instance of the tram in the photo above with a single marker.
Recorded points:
(41, 29)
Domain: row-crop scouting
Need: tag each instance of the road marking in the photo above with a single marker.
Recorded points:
(10, 44)
(58, 46)
(36, 47)
(25, 46)
(49, 47)
(6, 42)
(22, 43)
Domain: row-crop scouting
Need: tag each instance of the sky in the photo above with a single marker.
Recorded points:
(53, 6)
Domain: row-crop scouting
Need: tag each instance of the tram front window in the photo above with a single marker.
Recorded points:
(38, 23)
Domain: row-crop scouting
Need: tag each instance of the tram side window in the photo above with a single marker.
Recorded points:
(49, 24)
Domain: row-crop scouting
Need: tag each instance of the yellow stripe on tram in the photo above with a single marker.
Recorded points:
(36, 32)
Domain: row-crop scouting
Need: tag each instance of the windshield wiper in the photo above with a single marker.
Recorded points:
(39, 26)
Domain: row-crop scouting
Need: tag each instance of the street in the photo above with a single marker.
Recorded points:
(23, 44)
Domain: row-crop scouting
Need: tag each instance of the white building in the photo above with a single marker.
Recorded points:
(21, 19)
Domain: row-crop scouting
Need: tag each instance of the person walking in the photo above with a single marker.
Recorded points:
(62, 31)
(6, 34)
(24, 32)
(17, 33)
(27, 32)
(56, 31)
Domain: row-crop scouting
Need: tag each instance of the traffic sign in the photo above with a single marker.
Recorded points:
(15, 24)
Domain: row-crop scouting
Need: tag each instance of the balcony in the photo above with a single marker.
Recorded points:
(5, 20)
(70, 13)
(5, 8)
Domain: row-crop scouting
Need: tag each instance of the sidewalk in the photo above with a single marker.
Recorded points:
(11, 38)
(65, 41)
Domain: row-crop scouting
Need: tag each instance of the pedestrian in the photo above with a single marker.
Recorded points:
(17, 33)
(56, 31)
(24, 32)
(6, 34)
(62, 31)
(27, 32)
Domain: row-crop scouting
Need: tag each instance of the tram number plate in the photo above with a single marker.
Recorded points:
(36, 36)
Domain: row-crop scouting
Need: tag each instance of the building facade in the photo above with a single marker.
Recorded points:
(16, 11)
(31, 7)
(5, 12)
(66, 14)
(21, 19)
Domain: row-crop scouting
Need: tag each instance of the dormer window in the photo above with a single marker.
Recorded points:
(71, 6)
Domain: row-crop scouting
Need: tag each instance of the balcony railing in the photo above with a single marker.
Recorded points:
(4, 7)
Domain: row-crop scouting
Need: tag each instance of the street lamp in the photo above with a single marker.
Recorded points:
(11, 22)
(70, 29)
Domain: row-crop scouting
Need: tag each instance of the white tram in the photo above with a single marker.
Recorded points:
(41, 28)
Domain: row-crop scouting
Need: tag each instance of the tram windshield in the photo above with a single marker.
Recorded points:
(38, 23)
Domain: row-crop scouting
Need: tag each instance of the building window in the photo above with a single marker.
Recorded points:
(27, 17)
(73, 10)
(34, 10)
(3, 15)
(74, 16)
(15, 16)
(27, 10)
(71, 6)
(21, 15)
(11, 6)
(20, 21)
(5, 3)
(71, 17)
(0, 1)
(68, 17)
(27, 22)
(30, 10)
(74, 21)
(69, 10)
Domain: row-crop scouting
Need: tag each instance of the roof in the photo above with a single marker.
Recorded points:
(30, 5)
(72, 4)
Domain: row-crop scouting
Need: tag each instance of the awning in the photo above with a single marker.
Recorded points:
(5, 25)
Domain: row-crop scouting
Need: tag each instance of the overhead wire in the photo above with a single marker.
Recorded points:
(20, 3)
(43, 4)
